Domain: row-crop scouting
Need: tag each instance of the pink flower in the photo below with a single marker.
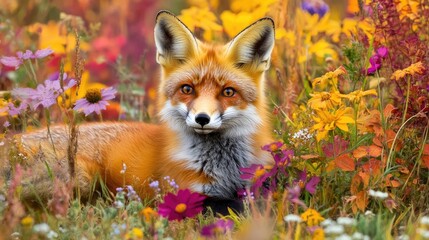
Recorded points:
(11, 62)
(184, 204)
(95, 100)
(15, 62)
(375, 60)
(220, 227)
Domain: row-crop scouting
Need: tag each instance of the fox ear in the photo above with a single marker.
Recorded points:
(252, 47)
(174, 42)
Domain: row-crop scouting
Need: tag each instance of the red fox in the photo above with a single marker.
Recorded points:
(213, 121)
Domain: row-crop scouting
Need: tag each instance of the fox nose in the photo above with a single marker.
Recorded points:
(202, 119)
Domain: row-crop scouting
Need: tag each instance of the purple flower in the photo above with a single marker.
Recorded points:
(45, 94)
(375, 60)
(260, 177)
(95, 100)
(11, 62)
(184, 204)
(43, 53)
(293, 195)
(315, 7)
(15, 62)
(16, 110)
(309, 186)
(220, 227)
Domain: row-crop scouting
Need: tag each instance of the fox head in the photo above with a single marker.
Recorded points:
(208, 88)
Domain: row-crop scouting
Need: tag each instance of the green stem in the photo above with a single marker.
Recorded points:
(48, 123)
(33, 72)
(406, 100)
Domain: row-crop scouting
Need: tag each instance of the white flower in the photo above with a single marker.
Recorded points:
(334, 229)
(41, 228)
(403, 237)
(360, 236)
(327, 222)
(424, 220)
(343, 237)
(51, 234)
(346, 221)
(124, 168)
(292, 218)
(369, 213)
(378, 194)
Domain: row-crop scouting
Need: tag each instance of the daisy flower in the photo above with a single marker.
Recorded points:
(95, 100)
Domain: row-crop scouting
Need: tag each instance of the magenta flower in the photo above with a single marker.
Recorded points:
(375, 60)
(315, 7)
(13, 110)
(95, 100)
(293, 195)
(15, 62)
(220, 227)
(261, 178)
(309, 186)
(184, 204)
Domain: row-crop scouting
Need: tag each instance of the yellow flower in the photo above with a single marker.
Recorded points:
(136, 233)
(27, 221)
(411, 70)
(358, 94)
(311, 217)
(327, 121)
(233, 23)
(318, 234)
(200, 18)
(148, 213)
(407, 8)
(324, 100)
(250, 5)
(204, 3)
(330, 78)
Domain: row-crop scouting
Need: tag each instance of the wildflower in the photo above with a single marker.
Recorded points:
(378, 194)
(375, 60)
(329, 78)
(155, 186)
(293, 195)
(327, 222)
(148, 213)
(273, 147)
(27, 221)
(6, 124)
(318, 234)
(415, 68)
(358, 94)
(16, 62)
(303, 134)
(124, 168)
(51, 234)
(292, 218)
(132, 194)
(334, 229)
(311, 217)
(327, 121)
(259, 174)
(343, 237)
(184, 204)
(309, 186)
(315, 7)
(95, 100)
(134, 233)
(324, 100)
(42, 228)
(346, 221)
(218, 228)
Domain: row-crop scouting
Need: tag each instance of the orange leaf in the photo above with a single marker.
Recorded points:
(360, 152)
(372, 167)
(356, 182)
(426, 161)
(388, 110)
(391, 182)
(361, 200)
(309, 156)
(374, 151)
(365, 178)
(345, 163)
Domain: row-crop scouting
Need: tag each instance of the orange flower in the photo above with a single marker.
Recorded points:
(415, 68)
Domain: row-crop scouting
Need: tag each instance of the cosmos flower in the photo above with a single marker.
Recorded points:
(310, 185)
(184, 204)
(220, 227)
(15, 62)
(95, 100)
(375, 60)
(315, 7)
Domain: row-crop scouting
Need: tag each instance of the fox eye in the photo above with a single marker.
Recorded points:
(186, 89)
(228, 92)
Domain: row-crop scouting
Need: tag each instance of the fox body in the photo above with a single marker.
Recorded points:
(213, 121)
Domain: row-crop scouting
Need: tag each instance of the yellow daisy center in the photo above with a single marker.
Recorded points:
(180, 208)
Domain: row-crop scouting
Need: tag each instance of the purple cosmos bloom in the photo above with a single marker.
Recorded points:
(260, 178)
(375, 60)
(184, 204)
(11, 62)
(309, 186)
(43, 53)
(220, 227)
(95, 100)
(17, 61)
(315, 7)
(45, 94)
(293, 195)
